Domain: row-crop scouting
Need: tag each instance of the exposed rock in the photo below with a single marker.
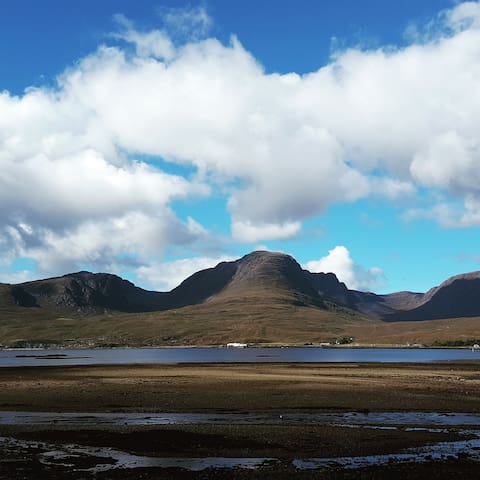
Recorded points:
(23, 298)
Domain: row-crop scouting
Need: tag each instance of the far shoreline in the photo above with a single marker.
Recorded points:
(248, 346)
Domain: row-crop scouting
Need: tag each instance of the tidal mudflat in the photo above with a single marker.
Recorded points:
(241, 421)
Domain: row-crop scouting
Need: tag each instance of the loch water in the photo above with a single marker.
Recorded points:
(124, 356)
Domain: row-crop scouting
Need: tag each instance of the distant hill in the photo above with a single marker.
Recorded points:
(263, 295)
(87, 293)
(458, 296)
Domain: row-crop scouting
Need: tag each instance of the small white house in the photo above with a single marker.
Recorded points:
(237, 345)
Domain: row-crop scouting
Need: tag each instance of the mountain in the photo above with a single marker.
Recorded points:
(330, 289)
(260, 277)
(384, 306)
(263, 297)
(268, 274)
(87, 292)
(259, 273)
(458, 296)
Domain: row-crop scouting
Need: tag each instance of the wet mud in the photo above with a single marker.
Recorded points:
(240, 422)
(384, 441)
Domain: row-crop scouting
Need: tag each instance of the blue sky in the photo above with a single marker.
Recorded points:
(151, 139)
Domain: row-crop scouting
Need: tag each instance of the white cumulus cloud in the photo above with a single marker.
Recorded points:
(339, 262)
(282, 147)
(165, 276)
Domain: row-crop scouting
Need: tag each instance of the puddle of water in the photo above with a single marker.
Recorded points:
(106, 458)
(440, 451)
(102, 459)
(383, 419)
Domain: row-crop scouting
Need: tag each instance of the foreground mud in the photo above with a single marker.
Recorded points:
(289, 446)
(223, 451)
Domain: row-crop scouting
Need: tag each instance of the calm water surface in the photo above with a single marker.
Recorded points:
(343, 418)
(14, 358)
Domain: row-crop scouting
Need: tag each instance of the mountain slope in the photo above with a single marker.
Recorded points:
(269, 274)
(458, 296)
(265, 278)
(87, 292)
(383, 306)
(330, 289)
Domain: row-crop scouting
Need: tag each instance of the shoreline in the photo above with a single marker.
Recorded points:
(256, 345)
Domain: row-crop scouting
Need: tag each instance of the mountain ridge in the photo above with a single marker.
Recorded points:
(256, 277)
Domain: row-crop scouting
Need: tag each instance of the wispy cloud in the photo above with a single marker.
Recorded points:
(186, 23)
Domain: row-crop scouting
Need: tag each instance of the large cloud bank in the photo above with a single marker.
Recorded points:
(75, 188)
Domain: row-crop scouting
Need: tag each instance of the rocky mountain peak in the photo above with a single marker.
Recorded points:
(263, 269)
